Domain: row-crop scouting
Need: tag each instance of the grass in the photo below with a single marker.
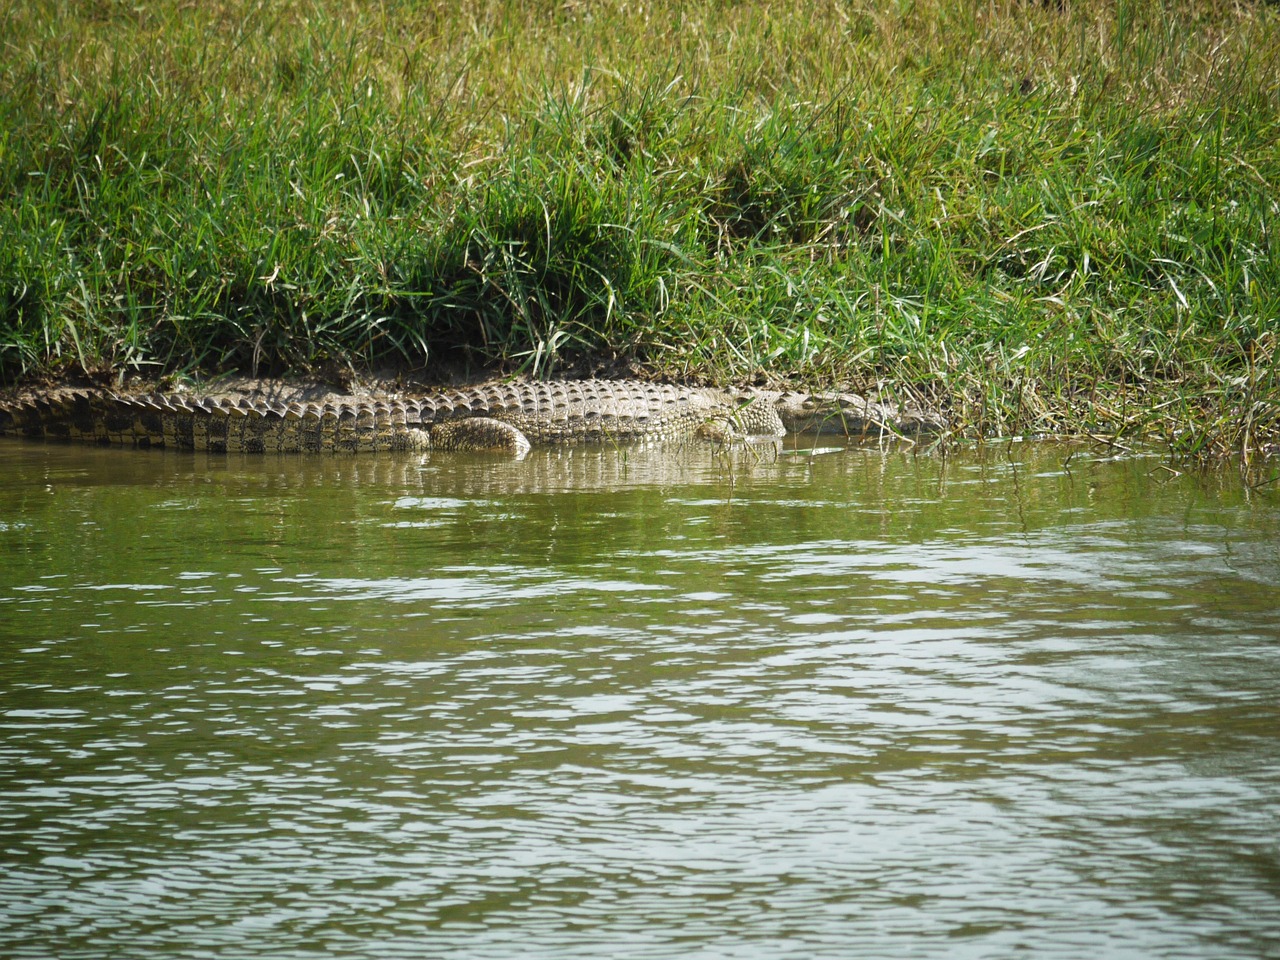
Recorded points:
(1043, 220)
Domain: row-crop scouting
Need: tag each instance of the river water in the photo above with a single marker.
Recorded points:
(649, 703)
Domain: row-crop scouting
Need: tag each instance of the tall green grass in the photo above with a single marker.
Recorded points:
(1043, 220)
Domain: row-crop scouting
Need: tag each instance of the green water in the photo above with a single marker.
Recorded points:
(636, 703)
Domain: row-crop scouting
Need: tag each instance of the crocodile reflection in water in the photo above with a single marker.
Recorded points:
(505, 417)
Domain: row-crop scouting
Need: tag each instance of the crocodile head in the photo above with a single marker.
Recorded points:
(841, 413)
(850, 415)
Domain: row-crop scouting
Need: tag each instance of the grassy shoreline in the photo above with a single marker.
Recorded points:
(1041, 221)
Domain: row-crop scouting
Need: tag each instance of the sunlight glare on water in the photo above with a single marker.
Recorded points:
(651, 703)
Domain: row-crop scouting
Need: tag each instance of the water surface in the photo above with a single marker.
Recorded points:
(649, 703)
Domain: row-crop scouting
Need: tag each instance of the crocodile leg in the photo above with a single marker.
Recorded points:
(756, 419)
(480, 434)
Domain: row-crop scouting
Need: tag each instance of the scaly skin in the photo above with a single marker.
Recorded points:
(506, 417)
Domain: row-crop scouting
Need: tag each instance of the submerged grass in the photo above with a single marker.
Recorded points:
(1044, 219)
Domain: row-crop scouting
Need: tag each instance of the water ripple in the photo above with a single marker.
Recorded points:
(848, 707)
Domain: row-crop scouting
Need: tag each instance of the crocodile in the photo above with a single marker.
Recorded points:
(507, 417)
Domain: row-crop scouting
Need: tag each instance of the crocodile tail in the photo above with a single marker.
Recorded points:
(217, 425)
